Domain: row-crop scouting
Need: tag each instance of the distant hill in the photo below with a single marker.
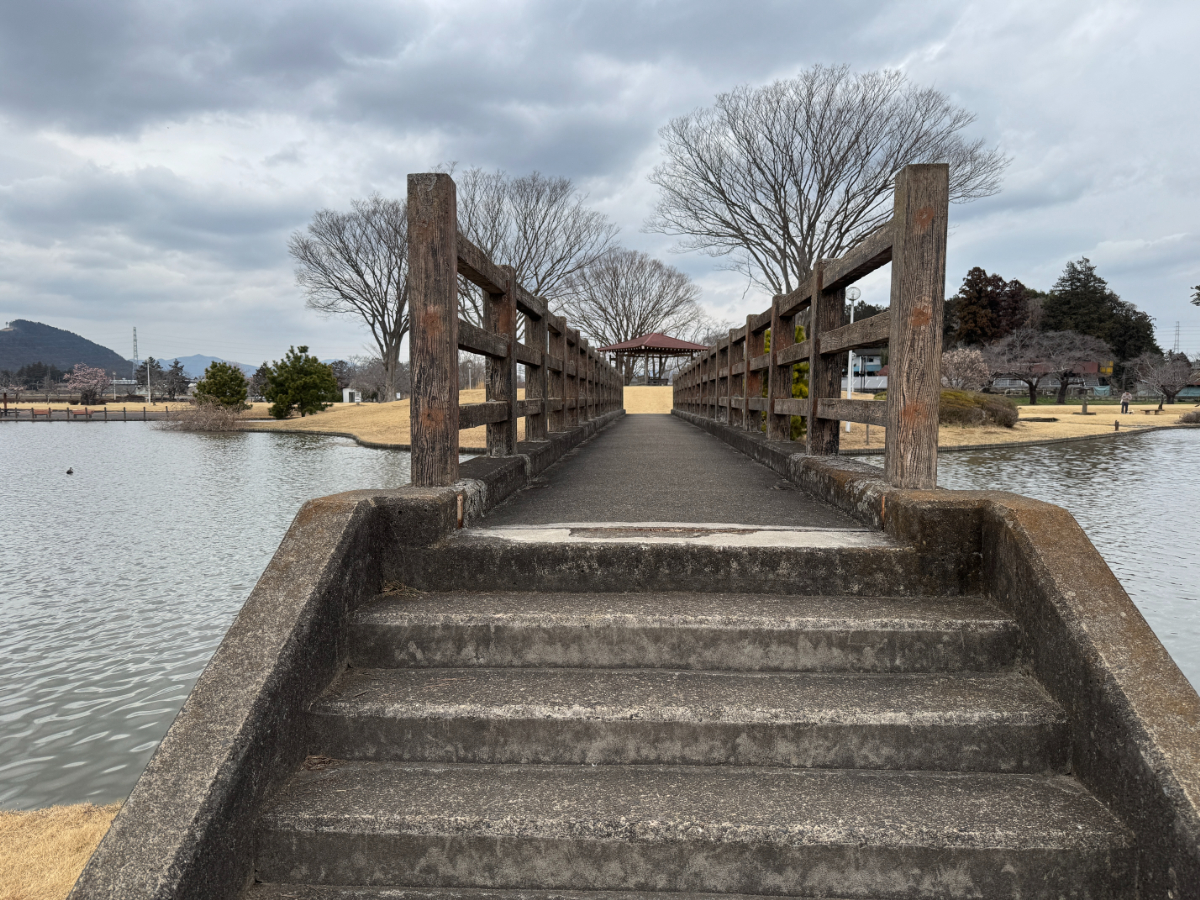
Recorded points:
(195, 365)
(24, 342)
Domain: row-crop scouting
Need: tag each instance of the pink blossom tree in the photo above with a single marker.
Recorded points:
(89, 381)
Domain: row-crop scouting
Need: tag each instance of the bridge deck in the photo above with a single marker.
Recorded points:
(644, 469)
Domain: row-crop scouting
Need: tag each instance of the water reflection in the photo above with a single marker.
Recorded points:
(118, 582)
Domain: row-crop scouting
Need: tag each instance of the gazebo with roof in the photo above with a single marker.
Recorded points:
(655, 350)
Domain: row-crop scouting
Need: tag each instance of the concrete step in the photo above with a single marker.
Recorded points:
(749, 632)
(997, 723)
(357, 892)
(719, 829)
(850, 563)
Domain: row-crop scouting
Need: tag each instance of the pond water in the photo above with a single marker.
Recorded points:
(118, 582)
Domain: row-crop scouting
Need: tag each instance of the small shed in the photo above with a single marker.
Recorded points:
(655, 350)
(350, 395)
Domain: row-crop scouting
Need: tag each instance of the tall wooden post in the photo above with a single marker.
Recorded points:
(500, 317)
(433, 339)
(915, 343)
(824, 372)
(755, 346)
(571, 373)
(779, 376)
(536, 381)
(558, 349)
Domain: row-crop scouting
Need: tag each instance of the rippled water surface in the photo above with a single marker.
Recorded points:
(1138, 499)
(118, 582)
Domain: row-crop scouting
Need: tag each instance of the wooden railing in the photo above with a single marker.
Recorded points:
(726, 383)
(566, 381)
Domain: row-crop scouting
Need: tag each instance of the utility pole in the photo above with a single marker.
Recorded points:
(135, 357)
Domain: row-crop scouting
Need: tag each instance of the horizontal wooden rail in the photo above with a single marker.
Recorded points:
(566, 382)
(865, 333)
(866, 412)
(717, 383)
(474, 339)
(873, 252)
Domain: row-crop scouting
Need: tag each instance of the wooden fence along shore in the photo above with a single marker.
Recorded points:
(566, 382)
(727, 382)
(86, 414)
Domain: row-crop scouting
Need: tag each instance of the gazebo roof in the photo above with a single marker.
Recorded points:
(654, 341)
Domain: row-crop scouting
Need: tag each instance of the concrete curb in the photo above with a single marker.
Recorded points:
(1134, 718)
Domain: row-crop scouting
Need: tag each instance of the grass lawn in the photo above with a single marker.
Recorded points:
(43, 851)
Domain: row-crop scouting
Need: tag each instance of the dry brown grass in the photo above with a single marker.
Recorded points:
(43, 851)
(648, 399)
(1069, 425)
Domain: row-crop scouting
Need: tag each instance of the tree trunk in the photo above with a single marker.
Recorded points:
(1032, 393)
(1063, 384)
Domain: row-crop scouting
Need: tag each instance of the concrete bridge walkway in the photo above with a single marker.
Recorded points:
(647, 468)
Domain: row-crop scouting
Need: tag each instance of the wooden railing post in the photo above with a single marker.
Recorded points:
(915, 343)
(779, 377)
(755, 346)
(536, 380)
(824, 372)
(571, 371)
(433, 339)
(500, 317)
(558, 349)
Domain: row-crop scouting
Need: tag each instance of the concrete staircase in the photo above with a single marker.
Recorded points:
(553, 744)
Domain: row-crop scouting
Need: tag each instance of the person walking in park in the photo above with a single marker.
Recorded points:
(1126, 398)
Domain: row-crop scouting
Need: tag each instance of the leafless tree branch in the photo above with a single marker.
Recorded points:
(356, 263)
(774, 178)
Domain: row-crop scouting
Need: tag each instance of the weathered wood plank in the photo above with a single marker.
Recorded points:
(554, 363)
(530, 408)
(915, 348)
(530, 304)
(527, 355)
(790, 406)
(537, 382)
(795, 352)
(472, 415)
(873, 253)
(873, 332)
(433, 340)
(738, 368)
(474, 265)
(476, 340)
(760, 362)
(759, 403)
(793, 302)
(868, 412)
(760, 321)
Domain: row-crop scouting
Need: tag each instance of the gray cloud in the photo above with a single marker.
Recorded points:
(156, 156)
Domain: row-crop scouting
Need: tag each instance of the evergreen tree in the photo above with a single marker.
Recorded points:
(300, 381)
(224, 384)
(985, 309)
(175, 381)
(1082, 301)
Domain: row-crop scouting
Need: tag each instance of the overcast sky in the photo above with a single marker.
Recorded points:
(154, 157)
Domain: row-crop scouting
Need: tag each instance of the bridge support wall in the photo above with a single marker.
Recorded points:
(1135, 718)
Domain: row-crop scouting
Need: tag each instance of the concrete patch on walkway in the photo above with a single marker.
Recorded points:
(696, 533)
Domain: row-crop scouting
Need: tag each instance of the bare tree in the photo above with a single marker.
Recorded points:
(1031, 356)
(1068, 353)
(1168, 375)
(779, 176)
(965, 368)
(627, 294)
(537, 224)
(356, 263)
